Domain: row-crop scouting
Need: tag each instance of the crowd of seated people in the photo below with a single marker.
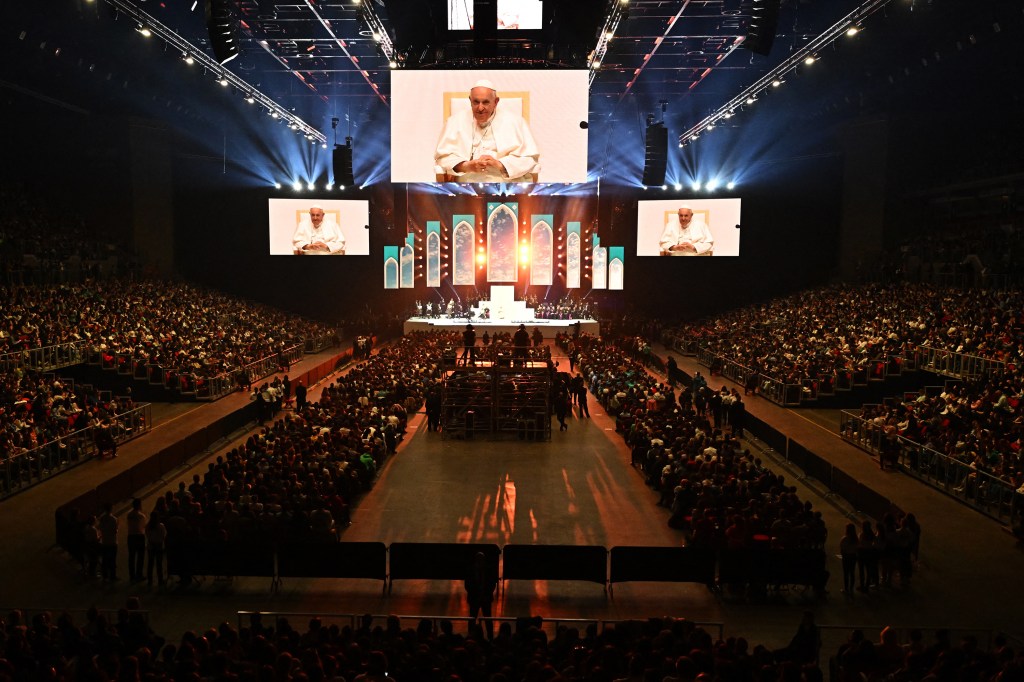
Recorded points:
(978, 423)
(688, 450)
(38, 409)
(54, 646)
(862, 659)
(296, 479)
(846, 328)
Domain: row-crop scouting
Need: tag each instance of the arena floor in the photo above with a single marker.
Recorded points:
(578, 488)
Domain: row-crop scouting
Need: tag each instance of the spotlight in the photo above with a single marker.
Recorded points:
(297, 186)
(223, 81)
(144, 30)
(852, 31)
(677, 187)
(329, 186)
(727, 114)
(277, 185)
(294, 126)
(311, 186)
(751, 99)
(776, 83)
(664, 186)
(597, 63)
(809, 60)
(711, 186)
(392, 64)
(323, 146)
(711, 126)
(250, 99)
(188, 59)
(696, 186)
(274, 114)
(731, 185)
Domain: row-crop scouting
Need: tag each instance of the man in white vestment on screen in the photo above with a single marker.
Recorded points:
(690, 237)
(486, 143)
(317, 235)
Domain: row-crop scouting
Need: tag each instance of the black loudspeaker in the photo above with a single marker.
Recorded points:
(222, 25)
(656, 157)
(764, 20)
(343, 165)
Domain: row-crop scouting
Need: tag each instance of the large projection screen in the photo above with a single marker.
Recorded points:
(658, 223)
(352, 216)
(553, 103)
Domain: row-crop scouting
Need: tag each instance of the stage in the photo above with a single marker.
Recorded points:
(550, 328)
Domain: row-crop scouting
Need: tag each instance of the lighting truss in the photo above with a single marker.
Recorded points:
(171, 38)
(766, 82)
(377, 30)
(616, 13)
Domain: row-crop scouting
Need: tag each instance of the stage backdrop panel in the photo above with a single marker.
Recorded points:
(721, 216)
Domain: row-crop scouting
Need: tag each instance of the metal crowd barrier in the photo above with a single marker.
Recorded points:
(315, 344)
(957, 365)
(24, 470)
(773, 389)
(548, 624)
(984, 492)
(44, 358)
(683, 345)
(216, 387)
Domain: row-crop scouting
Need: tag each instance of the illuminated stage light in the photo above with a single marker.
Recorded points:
(250, 99)
(188, 59)
(810, 60)
(664, 186)
(711, 186)
(852, 31)
(776, 83)
(277, 185)
(481, 259)
(297, 186)
(696, 186)
(731, 185)
(677, 187)
(751, 99)
(144, 30)
(329, 186)
(223, 81)
(311, 186)
(341, 187)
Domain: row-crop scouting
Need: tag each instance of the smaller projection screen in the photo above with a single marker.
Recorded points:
(342, 232)
(520, 15)
(434, 126)
(709, 227)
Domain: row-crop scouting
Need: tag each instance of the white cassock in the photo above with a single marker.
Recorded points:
(697, 233)
(329, 233)
(506, 137)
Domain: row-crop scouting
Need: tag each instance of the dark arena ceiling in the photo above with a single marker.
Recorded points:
(674, 60)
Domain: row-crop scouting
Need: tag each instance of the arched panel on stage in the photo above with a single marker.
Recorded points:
(541, 254)
(408, 271)
(502, 243)
(616, 271)
(463, 269)
(573, 261)
(599, 280)
(390, 273)
(433, 253)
